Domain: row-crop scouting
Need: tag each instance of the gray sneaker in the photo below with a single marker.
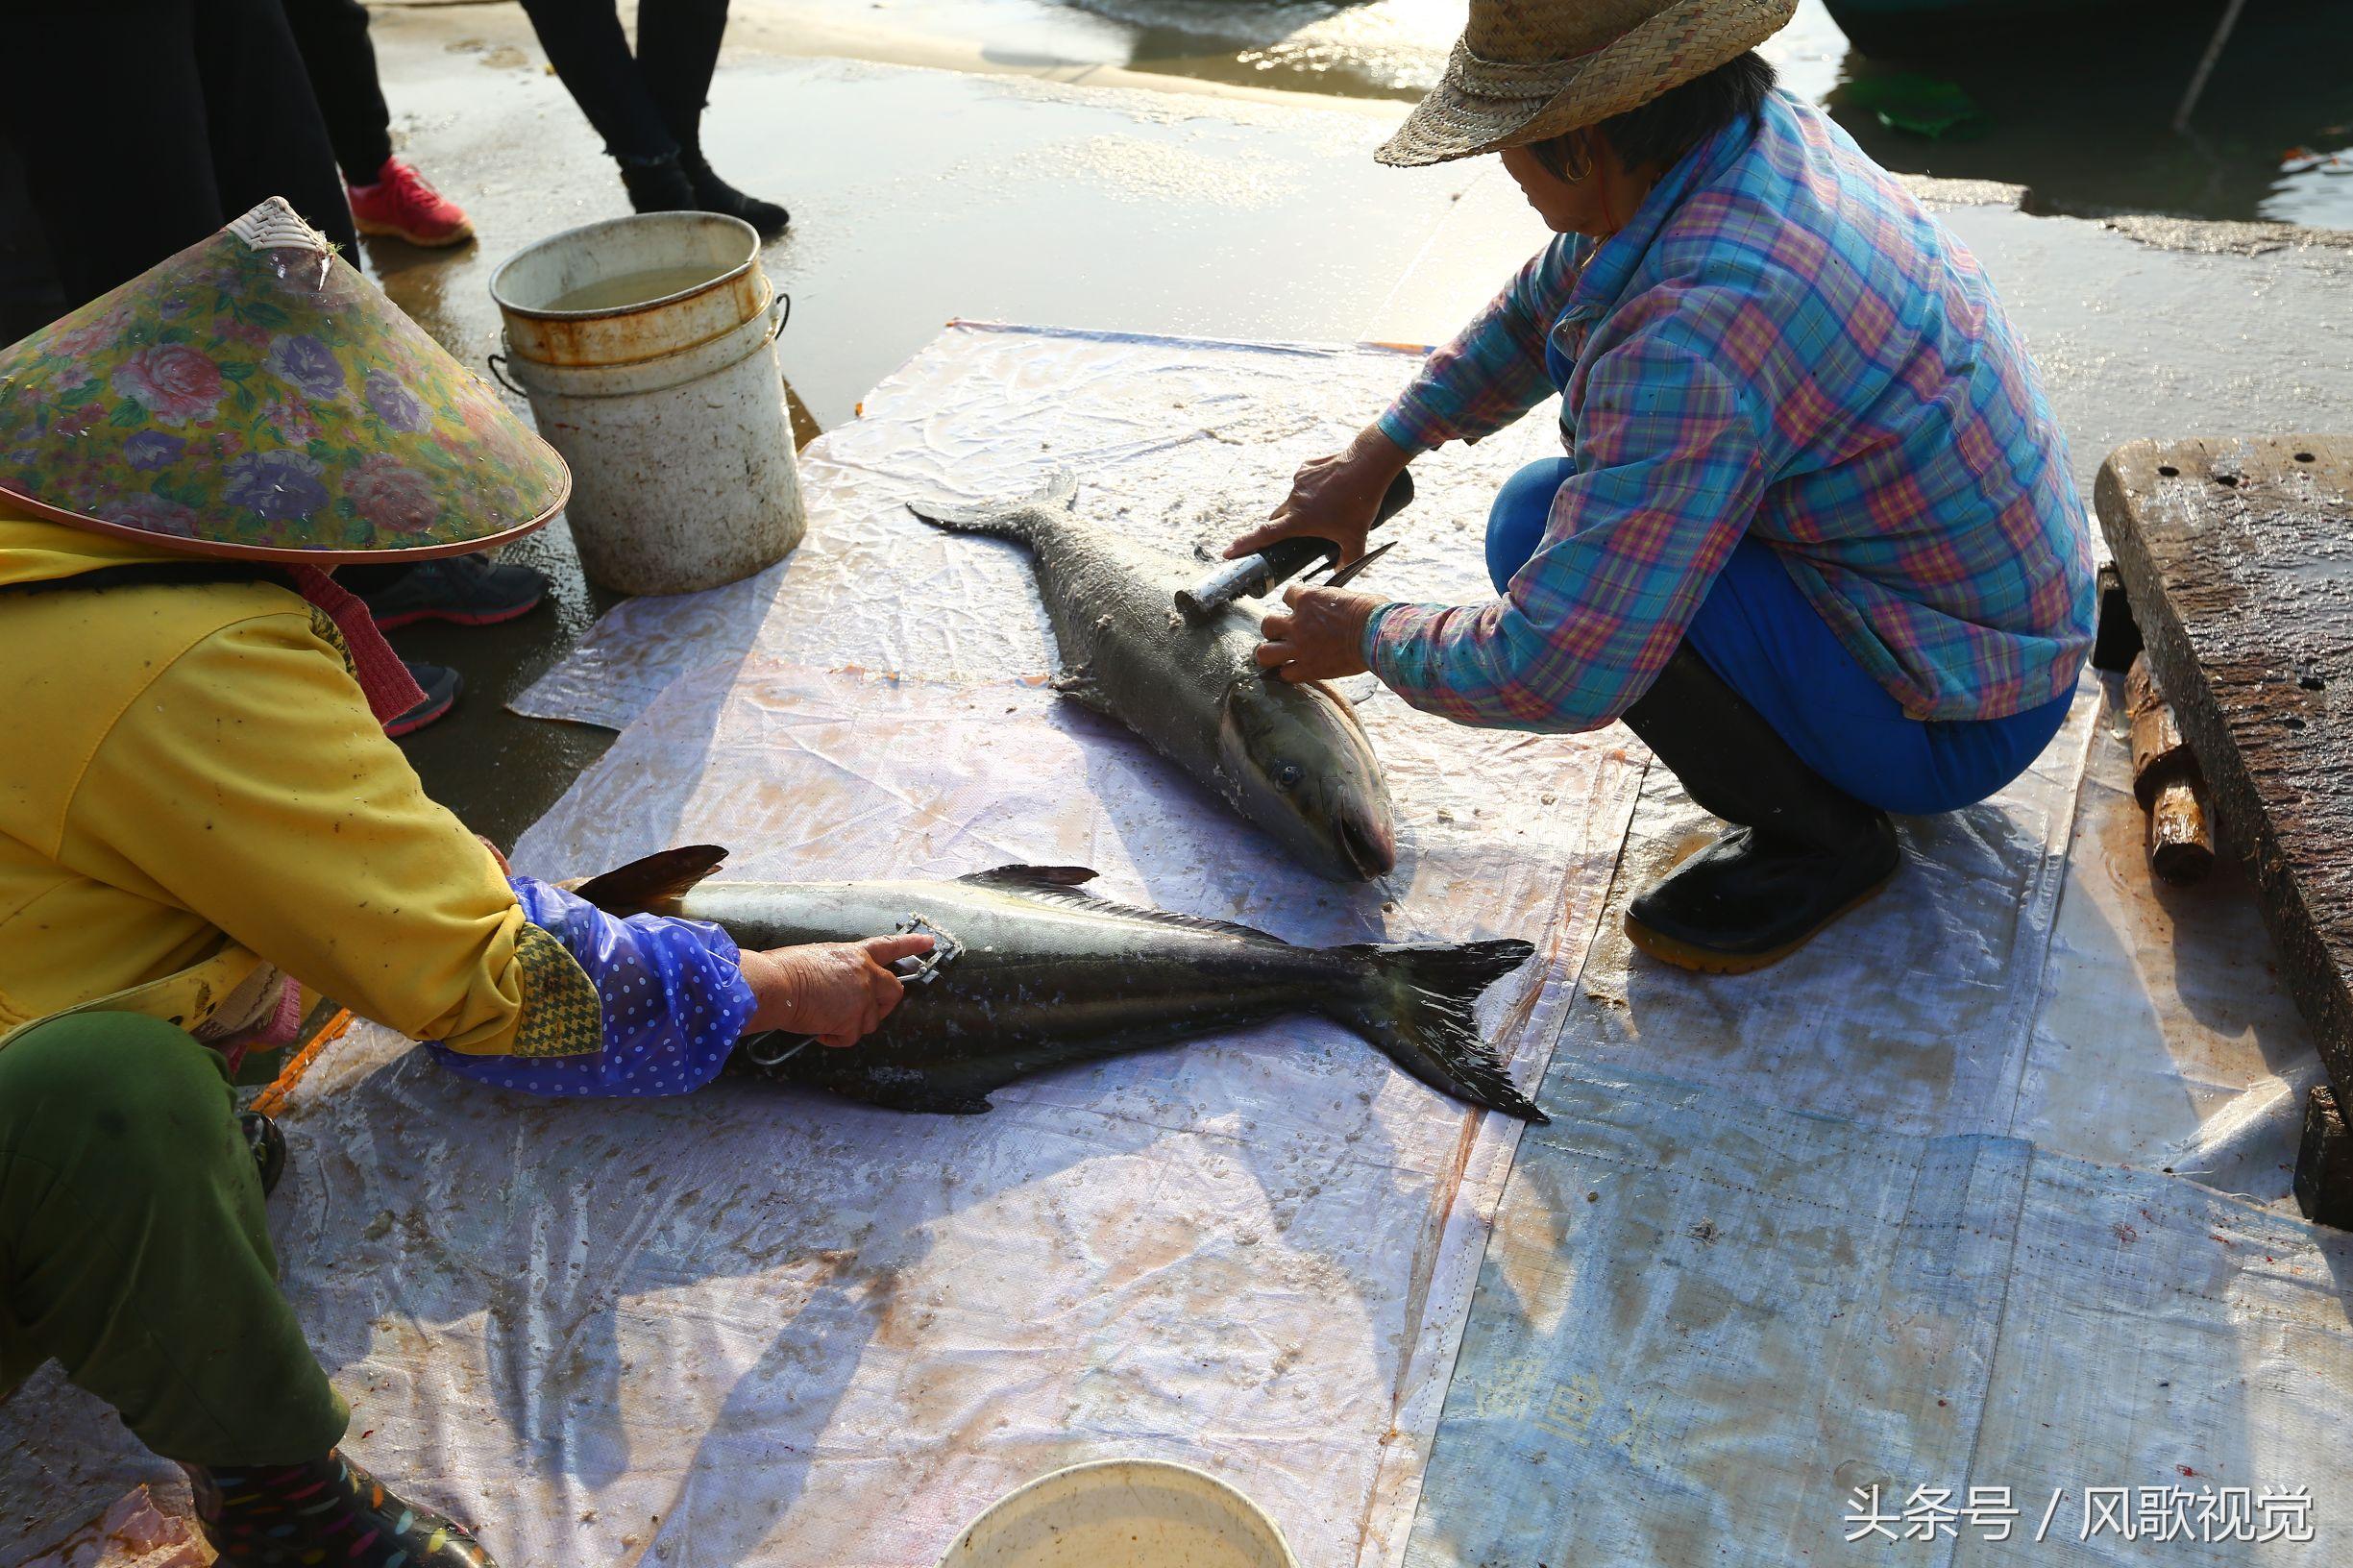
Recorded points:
(441, 686)
(467, 590)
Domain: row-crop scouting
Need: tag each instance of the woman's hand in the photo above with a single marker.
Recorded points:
(1319, 636)
(838, 990)
(1334, 498)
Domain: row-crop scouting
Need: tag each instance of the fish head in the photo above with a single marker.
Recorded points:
(1303, 771)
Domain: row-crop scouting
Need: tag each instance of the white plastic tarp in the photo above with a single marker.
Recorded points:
(1912, 1211)
(764, 1327)
(1179, 442)
(1704, 1324)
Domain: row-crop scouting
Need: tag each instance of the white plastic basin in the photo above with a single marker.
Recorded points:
(1122, 1513)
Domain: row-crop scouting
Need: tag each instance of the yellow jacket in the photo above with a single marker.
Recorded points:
(195, 798)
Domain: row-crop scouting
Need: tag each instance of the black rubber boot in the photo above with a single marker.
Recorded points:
(269, 1147)
(658, 184)
(1803, 851)
(327, 1510)
(715, 195)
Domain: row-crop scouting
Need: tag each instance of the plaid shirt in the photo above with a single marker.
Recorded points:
(1779, 342)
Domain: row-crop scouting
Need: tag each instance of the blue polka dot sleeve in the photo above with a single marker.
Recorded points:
(674, 1001)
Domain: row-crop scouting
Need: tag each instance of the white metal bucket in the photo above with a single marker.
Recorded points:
(1122, 1513)
(671, 411)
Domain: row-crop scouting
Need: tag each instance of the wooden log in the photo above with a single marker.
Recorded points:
(2167, 782)
(2324, 1163)
(2234, 553)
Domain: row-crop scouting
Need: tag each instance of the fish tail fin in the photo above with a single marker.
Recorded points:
(1059, 494)
(1414, 1001)
(651, 881)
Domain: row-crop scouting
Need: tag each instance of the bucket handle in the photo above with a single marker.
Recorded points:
(779, 310)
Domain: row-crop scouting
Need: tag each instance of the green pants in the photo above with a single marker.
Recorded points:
(132, 1249)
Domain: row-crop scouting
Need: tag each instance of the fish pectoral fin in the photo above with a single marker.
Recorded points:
(1059, 885)
(1031, 876)
(653, 879)
(1080, 688)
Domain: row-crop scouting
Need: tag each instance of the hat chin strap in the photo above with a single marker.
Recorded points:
(383, 679)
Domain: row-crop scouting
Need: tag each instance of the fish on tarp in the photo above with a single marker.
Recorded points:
(1289, 756)
(1044, 974)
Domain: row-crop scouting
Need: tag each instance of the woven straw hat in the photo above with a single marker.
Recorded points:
(1528, 69)
(254, 396)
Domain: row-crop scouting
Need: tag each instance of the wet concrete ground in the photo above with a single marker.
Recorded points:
(1015, 186)
(2082, 118)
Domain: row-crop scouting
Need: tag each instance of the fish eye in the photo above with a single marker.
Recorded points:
(1287, 775)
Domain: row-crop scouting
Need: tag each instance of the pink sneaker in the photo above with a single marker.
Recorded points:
(402, 204)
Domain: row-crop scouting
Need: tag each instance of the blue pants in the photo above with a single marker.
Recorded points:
(1758, 632)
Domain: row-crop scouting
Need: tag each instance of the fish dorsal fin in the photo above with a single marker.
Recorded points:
(1029, 876)
(1059, 885)
(656, 879)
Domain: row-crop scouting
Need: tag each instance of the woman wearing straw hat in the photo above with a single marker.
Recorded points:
(1814, 538)
(202, 818)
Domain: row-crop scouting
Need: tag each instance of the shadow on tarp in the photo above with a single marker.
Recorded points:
(1704, 1325)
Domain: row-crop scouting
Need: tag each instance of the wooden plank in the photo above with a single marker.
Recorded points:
(2238, 557)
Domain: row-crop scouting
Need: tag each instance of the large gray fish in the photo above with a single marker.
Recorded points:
(1290, 757)
(1044, 975)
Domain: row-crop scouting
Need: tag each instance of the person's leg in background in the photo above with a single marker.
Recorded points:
(387, 196)
(133, 1252)
(106, 108)
(678, 48)
(648, 106)
(267, 135)
(332, 37)
(30, 298)
(591, 55)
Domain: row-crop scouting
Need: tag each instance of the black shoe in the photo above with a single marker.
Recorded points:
(1747, 900)
(715, 195)
(269, 1147)
(658, 184)
(441, 685)
(1803, 853)
(327, 1510)
(463, 590)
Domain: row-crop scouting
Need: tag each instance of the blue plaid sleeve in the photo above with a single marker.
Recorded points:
(1493, 371)
(673, 994)
(1671, 461)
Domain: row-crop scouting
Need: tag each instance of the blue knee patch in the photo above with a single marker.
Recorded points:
(1517, 521)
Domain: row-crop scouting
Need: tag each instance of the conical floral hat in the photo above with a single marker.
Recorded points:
(255, 396)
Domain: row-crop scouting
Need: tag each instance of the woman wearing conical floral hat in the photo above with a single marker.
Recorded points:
(1814, 537)
(201, 821)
